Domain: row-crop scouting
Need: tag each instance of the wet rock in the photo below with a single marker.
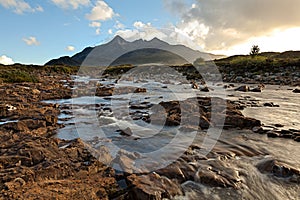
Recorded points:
(196, 111)
(277, 168)
(241, 121)
(278, 125)
(194, 85)
(273, 134)
(204, 89)
(143, 105)
(297, 139)
(296, 90)
(109, 90)
(228, 86)
(104, 91)
(270, 104)
(204, 123)
(243, 88)
(218, 175)
(258, 129)
(258, 88)
(152, 186)
(126, 132)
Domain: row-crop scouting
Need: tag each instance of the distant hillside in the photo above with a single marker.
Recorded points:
(106, 54)
(143, 56)
(269, 55)
(66, 60)
(266, 62)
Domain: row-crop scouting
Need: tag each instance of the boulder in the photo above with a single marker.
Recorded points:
(296, 90)
(273, 134)
(152, 186)
(243, 88)
(126, 132)
(278, 168)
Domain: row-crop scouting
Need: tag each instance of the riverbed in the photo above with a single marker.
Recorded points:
(98, 121)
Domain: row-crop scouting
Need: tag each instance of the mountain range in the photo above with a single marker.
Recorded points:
(119, 51)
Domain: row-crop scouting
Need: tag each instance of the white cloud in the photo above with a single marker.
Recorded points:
(119, 25)
(98, 31)
(100, 12)
(70, 48)
(39, 8)
(110, 31)
(229, 23)
(95, 24)
(20, 6)
(170, 34)
(71, 4)
(31, 41)
(6, 60)
(139, 24)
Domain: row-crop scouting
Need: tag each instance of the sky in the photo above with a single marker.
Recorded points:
(34, 32)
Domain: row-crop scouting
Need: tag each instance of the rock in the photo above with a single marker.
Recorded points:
(194, 85)
(297, 139)
(33, 165)
(243, 88)
(278, 125)
(104, 91)
(152, 186)
(296, 90)
(277, 168)
(143, 105)
(258, 129)
(204, 89)
(273, 134)
(241, 121)
(258, 88)
(288, 136)
(271, 104)
(204, 122)
(51, 120)
(36, 92)
(126, 132)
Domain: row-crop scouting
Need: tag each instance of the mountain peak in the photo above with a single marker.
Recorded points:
(155, 39)
(118, 38)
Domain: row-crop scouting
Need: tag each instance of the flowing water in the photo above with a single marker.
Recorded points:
(98, 121)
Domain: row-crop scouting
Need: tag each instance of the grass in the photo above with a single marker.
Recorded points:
(17, 76)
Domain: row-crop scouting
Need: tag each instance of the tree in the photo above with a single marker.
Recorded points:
(254, 50)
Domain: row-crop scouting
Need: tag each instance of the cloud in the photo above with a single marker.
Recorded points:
(70, 48)
(39, 8)
(139, 24)
(233, 22)
(119, 25)
(95, 24)
(6, 60)
(100, 12)
(110, 31)
(142, 31)
(20, 6)
(31, 41)
(170, 34)
(176, 6)
(71, 4)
